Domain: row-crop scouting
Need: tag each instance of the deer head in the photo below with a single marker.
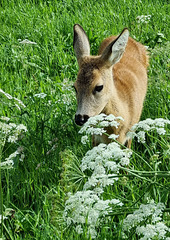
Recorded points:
(94, 86)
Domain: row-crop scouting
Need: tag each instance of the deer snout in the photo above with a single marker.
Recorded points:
(81, 119)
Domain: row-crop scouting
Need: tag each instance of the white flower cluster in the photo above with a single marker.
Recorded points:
(95, 126)
(11, 131)
(139, 129)
(102, 160)
(40, 95)
(150, 216)
(86, 208)
(26, 41)
(8, 163)
(18, 103)
(150, 231)
(143, 18)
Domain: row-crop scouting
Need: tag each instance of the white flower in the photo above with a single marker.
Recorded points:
(113, 136)
(139, 129)
(12, 155)
(84, 139)
(150, 231)
(79, 229)
(147, 221)
(21, 127)
(12, 138)
(5, 118)
(143, 18)
(7, 164)
(95, 125)
(40, 95)
(144, 211)
(26, 41)
(116, 202)
(102, 159)
(124, 161)
(16, 99)
(161, 131)
(86, 207)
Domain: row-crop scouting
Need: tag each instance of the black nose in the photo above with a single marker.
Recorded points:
(81, 119)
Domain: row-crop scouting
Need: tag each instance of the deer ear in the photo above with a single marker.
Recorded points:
(80, 43)
(114, 51)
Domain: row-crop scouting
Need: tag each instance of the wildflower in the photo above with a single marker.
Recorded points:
(138, 130)
(79, 229)
(147, 221)
(13, 155)
(7, 164)
(95, 125)
(21, 127)
(40, 95)
(150, 231)
(102, 159)
(143, 18)
(13, 131)
(12, 138)
(84, 139)
(113, 136)
(26, 41)
(86, 207)
(5, 118)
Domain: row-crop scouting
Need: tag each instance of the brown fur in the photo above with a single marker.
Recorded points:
(123, 93)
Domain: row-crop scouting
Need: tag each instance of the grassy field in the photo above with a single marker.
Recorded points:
(41, 74)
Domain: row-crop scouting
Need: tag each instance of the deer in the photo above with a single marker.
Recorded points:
(113, 82)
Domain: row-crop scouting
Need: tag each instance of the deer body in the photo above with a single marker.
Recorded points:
(114, 82)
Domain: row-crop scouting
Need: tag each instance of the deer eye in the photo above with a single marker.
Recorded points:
(98, 88)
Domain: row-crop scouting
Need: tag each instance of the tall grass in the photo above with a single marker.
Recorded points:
(34, 190)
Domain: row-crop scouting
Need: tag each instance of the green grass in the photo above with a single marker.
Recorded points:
(36, 188)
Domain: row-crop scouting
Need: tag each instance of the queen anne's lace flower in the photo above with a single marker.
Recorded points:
(143, 18)
(86, 207)
(7, 164)
(101, 160)
(144, 211)
(150, 231)
(11, 131)
(147, 221)
(40, 95)
(95, 125)
(139, 129)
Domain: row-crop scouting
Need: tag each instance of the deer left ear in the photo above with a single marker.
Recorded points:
(80, 43)
(114, 51)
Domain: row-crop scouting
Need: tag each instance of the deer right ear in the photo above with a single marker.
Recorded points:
(114, 51)
(80, 43)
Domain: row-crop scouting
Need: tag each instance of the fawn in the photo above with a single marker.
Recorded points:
(113, 82)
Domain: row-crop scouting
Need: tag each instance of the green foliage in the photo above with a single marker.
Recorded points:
(52, 140)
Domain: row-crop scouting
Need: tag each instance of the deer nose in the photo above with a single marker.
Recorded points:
(81, 119)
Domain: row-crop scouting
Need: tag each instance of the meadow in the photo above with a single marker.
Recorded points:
(37, 107)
